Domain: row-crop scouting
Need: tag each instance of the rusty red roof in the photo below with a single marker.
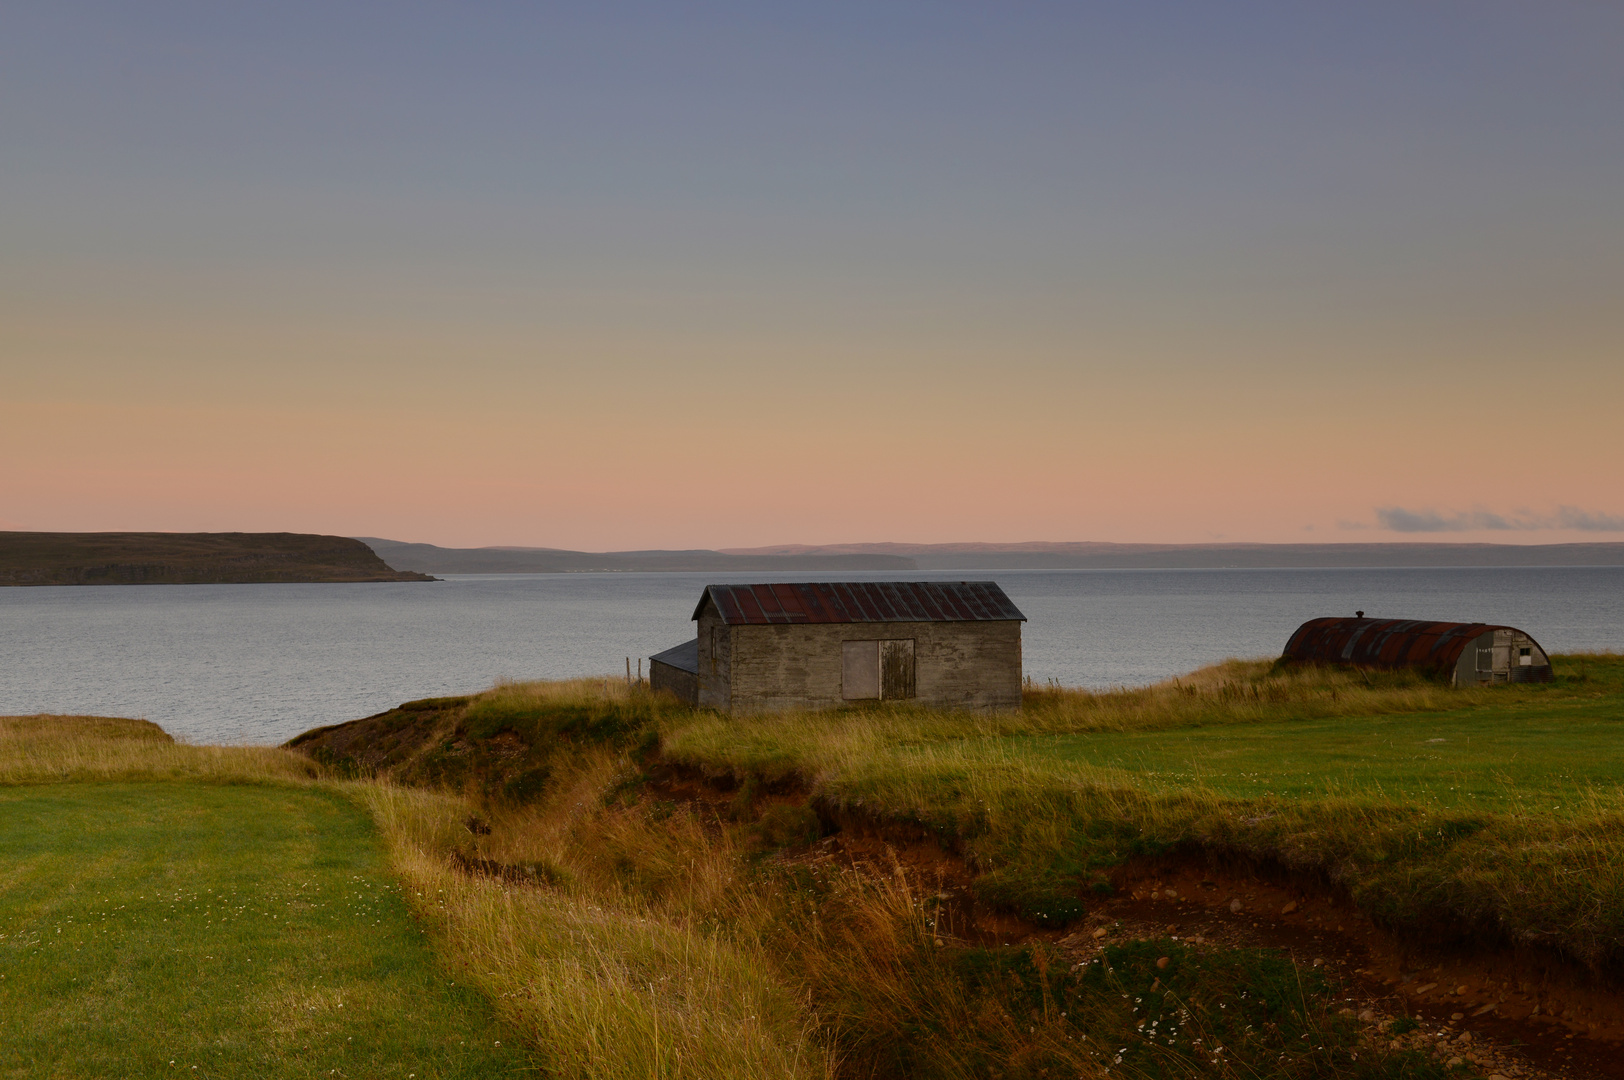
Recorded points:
(861, 602)
(1386, 643)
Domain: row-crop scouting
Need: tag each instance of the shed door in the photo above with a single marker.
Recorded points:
(897, 669)
(859, 670)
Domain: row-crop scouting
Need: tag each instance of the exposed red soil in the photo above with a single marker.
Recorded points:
(1506, 1012)
(1523, 1014)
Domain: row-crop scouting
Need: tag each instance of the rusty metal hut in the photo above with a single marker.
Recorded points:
(761, 648)
(1462, 654)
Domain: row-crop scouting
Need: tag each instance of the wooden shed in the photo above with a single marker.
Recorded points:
(1462, 654)
(676, 670)
(765, 648)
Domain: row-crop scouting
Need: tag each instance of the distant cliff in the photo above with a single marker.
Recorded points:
(130, 558)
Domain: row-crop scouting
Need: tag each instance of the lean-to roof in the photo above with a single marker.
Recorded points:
(684, 657)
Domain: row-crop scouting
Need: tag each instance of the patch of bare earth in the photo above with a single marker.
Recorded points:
(1504, 1012)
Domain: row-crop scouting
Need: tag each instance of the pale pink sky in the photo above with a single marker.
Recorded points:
(1151, 275)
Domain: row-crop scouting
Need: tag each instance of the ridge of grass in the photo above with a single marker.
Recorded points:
(51, 749)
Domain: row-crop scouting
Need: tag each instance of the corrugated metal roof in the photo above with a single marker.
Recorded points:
(684, 656)
(861, 602)
(1386, 643)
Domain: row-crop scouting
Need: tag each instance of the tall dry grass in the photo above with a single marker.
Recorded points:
(636, 939)
(610, 979)
(54, 749)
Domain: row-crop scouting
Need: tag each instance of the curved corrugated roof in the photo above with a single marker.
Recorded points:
(861, 602)
(1386, 643)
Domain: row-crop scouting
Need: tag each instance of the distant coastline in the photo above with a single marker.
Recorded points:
(913, 558)
(132, 558)
(431, 559)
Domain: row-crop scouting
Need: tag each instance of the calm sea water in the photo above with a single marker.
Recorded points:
(261, 663)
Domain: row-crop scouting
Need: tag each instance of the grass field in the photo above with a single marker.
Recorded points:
(1555, 759)
(193, 929)
(507, 867)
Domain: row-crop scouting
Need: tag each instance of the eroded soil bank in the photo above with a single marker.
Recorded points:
(1493, 1009)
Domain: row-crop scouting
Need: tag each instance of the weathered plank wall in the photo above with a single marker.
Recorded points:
(684, 684)
(959, 665)
(715, 660)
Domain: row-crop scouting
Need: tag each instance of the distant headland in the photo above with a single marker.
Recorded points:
(156, 558)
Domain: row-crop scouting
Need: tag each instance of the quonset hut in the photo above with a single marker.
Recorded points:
(807, 646)
(1462, 654)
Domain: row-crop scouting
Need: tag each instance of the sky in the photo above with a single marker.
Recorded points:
(624, 276)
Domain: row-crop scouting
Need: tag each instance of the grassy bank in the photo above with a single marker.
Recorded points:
(48, 749)
(1463, 813)
(638, 937)
(559, 775)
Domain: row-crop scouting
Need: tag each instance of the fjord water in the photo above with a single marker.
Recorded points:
(261, 663)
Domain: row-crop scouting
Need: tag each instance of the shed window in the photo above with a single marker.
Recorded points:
(1525, 657)
(871, 670)
(859, 670)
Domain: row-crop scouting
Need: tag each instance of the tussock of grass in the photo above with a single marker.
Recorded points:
(52, 749)
(501, 745)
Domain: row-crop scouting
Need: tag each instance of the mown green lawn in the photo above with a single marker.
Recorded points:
(200, 930)
(1549, 757)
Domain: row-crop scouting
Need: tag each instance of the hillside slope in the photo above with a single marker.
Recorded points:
(131, 558)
